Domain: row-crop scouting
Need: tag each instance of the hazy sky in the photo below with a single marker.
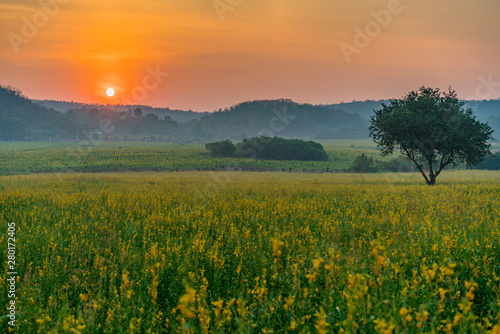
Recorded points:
(218, 53)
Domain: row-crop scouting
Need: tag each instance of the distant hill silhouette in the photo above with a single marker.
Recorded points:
(484, 109)
(25, 119)
(180, 116)
(362, 108)
(278, 117)
(21, 119)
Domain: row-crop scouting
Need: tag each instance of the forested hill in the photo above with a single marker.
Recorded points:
(485, 110)
(281, 118)
(237, 122)
(21, 119)
(362, 108)
(180, 116)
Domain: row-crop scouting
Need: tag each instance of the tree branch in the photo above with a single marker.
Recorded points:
(419, 166)
(444, 164)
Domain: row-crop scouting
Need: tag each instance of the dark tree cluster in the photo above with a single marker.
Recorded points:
(363, 164)
(270, 148)
(223, 149)
(131, 123)
(21, 119)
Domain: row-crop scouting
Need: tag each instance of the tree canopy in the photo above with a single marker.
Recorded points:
(269, 148)
(433, 129)
(221, 149)
(275, 148)
(21, 119)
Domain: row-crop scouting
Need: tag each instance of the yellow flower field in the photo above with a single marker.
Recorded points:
(248, 252)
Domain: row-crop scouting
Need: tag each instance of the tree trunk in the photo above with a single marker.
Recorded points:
(432, 176)
(432, 180)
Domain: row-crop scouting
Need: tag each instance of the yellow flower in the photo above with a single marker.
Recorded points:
(289, 302)
(403, 311)
(317, 262)
(312, 277)
(218, 304)
(188, 297)
(84, 298)
(447, 271)
(442, 293)
(321, 323)
(276, 247)
(382, 327)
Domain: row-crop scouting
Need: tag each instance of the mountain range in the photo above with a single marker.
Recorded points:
(24, 119)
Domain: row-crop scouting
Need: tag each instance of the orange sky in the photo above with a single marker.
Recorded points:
(246, 49)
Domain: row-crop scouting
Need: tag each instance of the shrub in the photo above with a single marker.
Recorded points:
(363, 164)
(222, 149)
(281, 149)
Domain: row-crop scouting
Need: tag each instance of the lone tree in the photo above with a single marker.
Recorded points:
(431, 128)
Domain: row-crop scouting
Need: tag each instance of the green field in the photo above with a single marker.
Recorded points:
(221, 252)
(71, 157)
(25, 158)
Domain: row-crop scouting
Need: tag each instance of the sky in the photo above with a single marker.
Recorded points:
(209, 54)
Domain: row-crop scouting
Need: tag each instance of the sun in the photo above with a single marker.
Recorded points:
(110, 92)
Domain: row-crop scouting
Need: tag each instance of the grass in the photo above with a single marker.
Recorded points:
(68, 157)
(254, 252)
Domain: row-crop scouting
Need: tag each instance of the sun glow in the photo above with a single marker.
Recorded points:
(110, 92)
